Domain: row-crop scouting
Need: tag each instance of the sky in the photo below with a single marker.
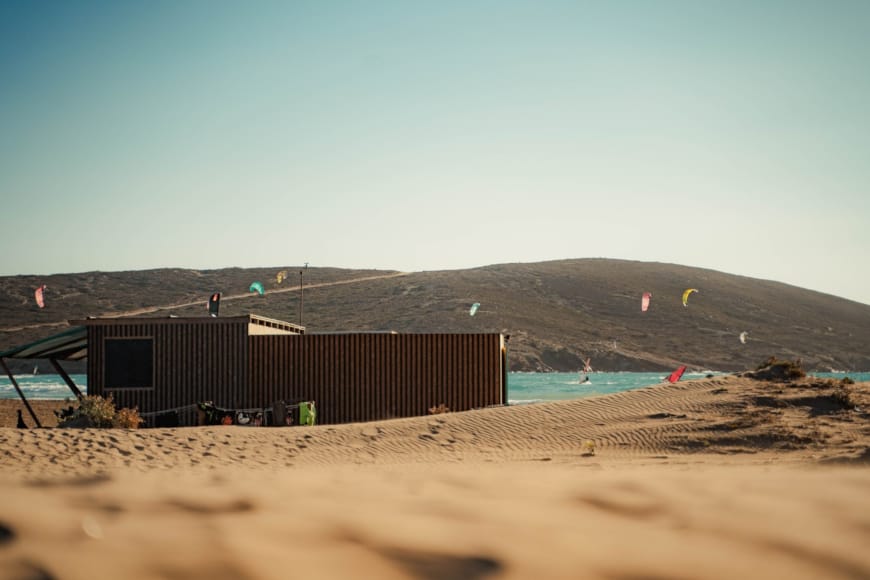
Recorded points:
(729, 135)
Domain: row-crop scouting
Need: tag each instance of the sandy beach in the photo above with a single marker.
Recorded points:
(715, 478)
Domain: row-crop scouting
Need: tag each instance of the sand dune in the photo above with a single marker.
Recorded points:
(716, 478)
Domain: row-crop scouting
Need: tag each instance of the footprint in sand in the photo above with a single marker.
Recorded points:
(432, 565)
(213, 508)
(372, 432)
(7, 534)
(626, 501)
(76, 481)
(26, 569)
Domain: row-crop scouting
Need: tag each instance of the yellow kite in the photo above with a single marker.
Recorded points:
(686, 295)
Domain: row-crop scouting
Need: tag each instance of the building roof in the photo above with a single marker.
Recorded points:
(178, 320)
(71, 344)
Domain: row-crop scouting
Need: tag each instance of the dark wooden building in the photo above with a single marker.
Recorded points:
(249, 362)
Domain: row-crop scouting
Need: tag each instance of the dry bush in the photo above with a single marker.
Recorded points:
(774, 369)
(127, 419)
(96, 411)
(843, 397)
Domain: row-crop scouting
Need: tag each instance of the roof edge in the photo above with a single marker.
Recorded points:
(172, 319)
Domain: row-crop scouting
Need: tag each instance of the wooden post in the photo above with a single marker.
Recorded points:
(66, 378)
(20, 394)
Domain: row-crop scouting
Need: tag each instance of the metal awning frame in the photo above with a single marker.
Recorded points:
(71, 344)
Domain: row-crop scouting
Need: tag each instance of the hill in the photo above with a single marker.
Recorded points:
(556, 313)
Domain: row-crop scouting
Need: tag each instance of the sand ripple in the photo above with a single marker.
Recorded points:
(717, 478)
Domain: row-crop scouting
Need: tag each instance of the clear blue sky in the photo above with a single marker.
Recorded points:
(436, 135)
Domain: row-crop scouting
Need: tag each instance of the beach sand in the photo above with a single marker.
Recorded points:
(718, 478)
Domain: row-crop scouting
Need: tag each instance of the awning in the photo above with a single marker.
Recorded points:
(71, 344)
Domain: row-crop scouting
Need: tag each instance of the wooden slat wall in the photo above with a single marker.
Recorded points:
(366, 377)
(192, 362)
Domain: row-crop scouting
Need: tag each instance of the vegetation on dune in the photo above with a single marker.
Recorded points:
(774, 369)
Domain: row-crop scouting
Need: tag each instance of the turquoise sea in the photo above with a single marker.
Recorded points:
(523, 388)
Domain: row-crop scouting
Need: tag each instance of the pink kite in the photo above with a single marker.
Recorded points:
(644, 302)
(40, 300)
(675, 376)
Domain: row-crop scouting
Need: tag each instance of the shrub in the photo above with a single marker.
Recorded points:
(774, 369)
(843, 397)
(96, 411)
(127, 419)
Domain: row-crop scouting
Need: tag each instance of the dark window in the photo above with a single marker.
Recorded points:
(129, 363)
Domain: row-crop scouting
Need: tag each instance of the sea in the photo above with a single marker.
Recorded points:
(523, 388)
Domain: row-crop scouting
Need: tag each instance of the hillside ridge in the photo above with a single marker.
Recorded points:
(557, 313)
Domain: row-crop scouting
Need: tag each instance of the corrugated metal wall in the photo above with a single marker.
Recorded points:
(352, 377)
(367, 377)
(192, 362)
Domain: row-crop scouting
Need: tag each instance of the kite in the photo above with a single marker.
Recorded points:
(474, 308)
(257, 287)
(587, 368)
(281, 276)
(38, 294)
(644, 302)
(686, 295)
(214, 303)
(675, 376)
(743, 336)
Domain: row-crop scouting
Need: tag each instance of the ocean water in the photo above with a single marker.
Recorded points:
(523, 388)
(41, 386)
(537, 387)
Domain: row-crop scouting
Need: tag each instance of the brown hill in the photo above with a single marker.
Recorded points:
(557, 313)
